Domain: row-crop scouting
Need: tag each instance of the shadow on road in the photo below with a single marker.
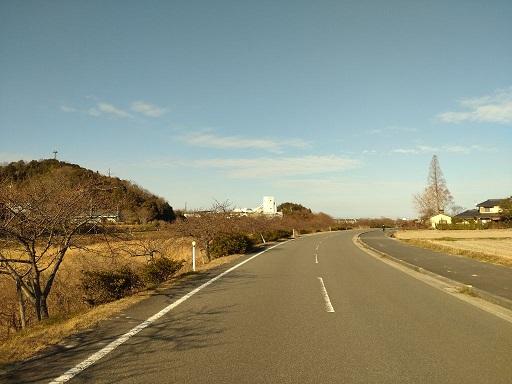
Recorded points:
(177, 330)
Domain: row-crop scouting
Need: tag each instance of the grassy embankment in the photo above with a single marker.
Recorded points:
(69, 313)
(490, 245)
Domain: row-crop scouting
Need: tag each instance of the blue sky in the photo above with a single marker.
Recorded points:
(338, 105)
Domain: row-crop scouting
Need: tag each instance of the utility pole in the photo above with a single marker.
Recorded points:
(55, 155)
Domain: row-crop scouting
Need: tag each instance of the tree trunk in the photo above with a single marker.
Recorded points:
(21, 305)
(43, 307)
(37, 296)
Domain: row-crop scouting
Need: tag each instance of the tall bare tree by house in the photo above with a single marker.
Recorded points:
(436, 196)
(40, 220)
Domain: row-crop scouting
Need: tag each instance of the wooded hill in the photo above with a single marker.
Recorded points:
(133, 203)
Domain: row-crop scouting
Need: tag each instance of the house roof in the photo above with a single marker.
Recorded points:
(470, 213)
(489, 203)
(475, 214)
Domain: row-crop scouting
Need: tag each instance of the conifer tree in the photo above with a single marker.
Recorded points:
(436, 197)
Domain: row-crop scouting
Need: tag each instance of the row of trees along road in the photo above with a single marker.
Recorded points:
(41, 218)
(45, 214)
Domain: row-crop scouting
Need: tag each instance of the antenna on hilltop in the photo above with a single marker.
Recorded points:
(55, 155)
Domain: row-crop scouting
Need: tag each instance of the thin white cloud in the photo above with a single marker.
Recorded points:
(337, 186)
(495, 108)
(98, 110)
(67, 109)
(93, 112)
(295, 143)
(390, 130)
(147, 109)
(263, 167)
(211, 140)
(460, 149)
(406, 150)
(109, 109)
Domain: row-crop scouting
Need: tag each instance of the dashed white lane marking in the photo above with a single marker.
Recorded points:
(328, 305)
(316, 258)
(68, 375)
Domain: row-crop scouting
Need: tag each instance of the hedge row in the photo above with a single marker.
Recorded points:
(99, 286)
(230, 244)
(276, 234)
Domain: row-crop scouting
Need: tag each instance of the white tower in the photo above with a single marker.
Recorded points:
(269, 205)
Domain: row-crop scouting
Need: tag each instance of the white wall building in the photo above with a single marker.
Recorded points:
(269, 205)
(440, 218)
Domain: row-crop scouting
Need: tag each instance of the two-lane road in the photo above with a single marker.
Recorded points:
(269, 321)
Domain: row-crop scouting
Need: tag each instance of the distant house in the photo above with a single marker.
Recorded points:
(487, 211)
(440, 218)
(101, 217)
(107, 217)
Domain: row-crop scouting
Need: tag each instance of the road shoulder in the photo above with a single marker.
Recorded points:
(486, 301)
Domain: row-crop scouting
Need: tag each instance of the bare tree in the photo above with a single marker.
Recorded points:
(506, 206)
(436, 197)
(40, 220)
(205, 226)
(456, 209)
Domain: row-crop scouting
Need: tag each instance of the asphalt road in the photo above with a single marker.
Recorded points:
(273, 320)
(494, 279)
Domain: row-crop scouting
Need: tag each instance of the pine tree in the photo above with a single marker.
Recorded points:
(436, 197)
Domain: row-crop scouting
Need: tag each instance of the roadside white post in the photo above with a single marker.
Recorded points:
(194, 256)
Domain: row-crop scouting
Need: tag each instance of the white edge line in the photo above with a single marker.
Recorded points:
(316, 258)
(68, 375)
(328, 305)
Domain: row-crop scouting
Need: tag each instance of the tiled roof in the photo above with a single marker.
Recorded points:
(490, 203)
(475, 214)
(468, 214)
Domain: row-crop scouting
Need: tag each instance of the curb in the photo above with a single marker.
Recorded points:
(494, 299)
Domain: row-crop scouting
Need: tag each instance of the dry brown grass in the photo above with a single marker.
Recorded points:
(29, 342)
(69, 313)
(455, 234)
(501, 248)
(481, 256)
(490, 245)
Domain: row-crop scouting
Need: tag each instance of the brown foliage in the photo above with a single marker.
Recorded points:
(40, 220)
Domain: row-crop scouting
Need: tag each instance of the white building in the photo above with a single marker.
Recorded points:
(269, 207)
(440, 218)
